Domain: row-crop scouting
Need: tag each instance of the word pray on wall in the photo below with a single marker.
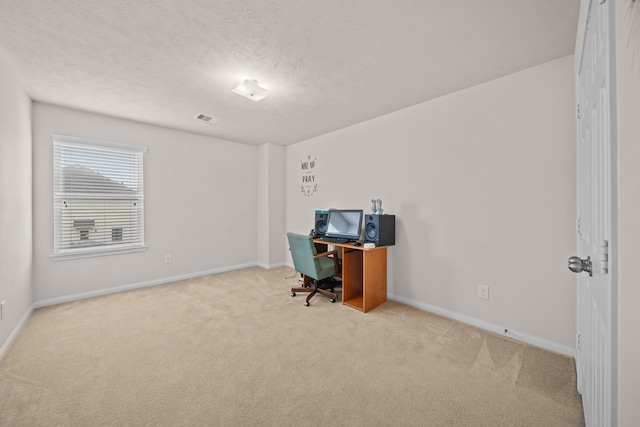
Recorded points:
(309, 185)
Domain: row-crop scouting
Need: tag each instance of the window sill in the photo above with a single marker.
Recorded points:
(90, 253)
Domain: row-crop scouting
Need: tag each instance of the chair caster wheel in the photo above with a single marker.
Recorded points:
(332, 300)
(306, 304)
(293, 294)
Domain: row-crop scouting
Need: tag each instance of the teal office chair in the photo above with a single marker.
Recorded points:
(319, 267)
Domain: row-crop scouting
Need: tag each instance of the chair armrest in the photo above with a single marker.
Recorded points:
(335, 258)
(325, 254)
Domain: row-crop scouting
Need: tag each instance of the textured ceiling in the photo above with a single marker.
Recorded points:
(328, 64)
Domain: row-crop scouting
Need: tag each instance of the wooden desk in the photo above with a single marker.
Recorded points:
(364, 274)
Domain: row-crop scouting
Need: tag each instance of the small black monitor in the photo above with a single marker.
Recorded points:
(344, 224)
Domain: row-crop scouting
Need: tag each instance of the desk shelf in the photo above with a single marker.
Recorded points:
(364, 276)
(357, 302)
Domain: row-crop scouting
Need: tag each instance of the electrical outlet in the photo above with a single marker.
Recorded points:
(483, 291)
(168, 259)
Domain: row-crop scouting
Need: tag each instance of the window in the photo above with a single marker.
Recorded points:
(98, 197)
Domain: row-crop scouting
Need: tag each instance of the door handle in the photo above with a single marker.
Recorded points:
(578, 265)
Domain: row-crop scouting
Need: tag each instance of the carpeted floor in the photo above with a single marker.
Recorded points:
(234, 349)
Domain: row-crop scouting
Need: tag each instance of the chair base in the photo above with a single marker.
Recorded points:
(324, 287)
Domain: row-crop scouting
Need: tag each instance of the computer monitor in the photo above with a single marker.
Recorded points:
(344, 223)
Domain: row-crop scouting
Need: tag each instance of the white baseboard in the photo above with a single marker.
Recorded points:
(114, 290)
(500, 330)
(18, 329)
(271, 266)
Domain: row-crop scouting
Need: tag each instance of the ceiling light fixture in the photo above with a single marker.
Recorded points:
(250, 89)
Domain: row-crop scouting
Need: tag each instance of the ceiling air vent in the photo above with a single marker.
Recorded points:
(205, 118)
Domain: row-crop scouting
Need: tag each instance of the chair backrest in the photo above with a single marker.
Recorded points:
(302, 251)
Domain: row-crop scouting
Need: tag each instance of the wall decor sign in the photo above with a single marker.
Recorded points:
(309, 185)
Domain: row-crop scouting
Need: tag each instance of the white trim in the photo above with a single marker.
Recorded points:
(94, 252)
(117, 289)
(510, 333)
(87, 142)
(18, 329)
(271, 266)
(584, 35)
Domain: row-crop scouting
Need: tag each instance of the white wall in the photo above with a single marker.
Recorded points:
(271, 221)
(200, 206)
(628, 96)
(482, 182)
(15, 204)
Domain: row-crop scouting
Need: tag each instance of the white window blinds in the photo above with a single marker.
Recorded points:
(98, 197)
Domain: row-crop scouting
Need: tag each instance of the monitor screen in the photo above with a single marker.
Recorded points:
(344, 223)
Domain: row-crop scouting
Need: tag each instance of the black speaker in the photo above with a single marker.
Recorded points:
(320, 223)
(380, 229)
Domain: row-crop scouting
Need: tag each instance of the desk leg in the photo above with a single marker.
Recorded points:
(352, 289)
(374, 278)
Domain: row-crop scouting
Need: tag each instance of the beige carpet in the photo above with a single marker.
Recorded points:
(234, 349)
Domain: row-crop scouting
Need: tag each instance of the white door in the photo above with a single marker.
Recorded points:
(596, 236)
